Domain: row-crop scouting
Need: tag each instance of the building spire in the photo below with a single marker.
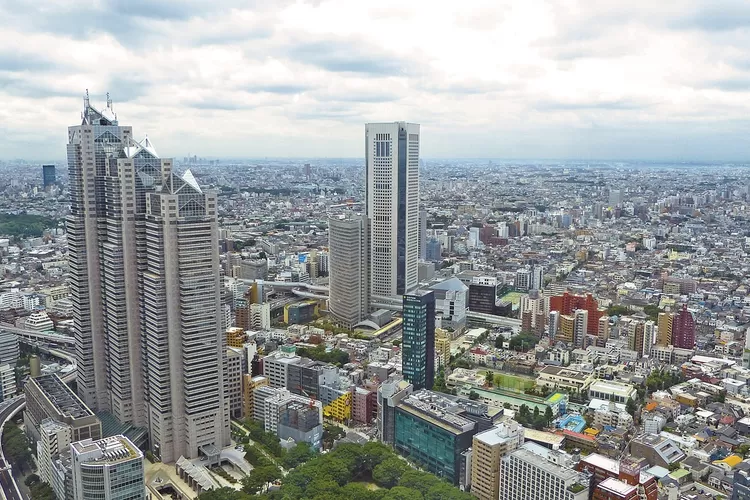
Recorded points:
(109, 101)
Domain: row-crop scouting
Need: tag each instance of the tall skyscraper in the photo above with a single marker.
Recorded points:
(48, 175)
(185, 347)
(91, 148)
(418, 339)
(144, 280)
(392, 207)
(347, 241)
(422, 235)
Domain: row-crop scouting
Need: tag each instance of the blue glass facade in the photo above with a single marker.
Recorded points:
(418, 339)
(48, 175)
(436, 447)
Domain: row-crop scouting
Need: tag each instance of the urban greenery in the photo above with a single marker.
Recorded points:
(536, 420)
(618, 310)
(348, 473)
(25, 225)
(662, 379)
(318, 353)
(16, 447)
(331, 433)
(523, 341)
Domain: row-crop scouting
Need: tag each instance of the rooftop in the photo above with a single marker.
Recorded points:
(65, 401)
(560, 371)
(616, 486)
(110, 450)
(502, 433)
(436, 409)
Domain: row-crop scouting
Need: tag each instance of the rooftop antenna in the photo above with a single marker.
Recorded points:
(86, 99)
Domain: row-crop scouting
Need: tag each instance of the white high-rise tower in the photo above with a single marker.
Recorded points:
(144, 282)
(392, 158)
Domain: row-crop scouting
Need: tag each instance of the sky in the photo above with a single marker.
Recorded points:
(596, 79)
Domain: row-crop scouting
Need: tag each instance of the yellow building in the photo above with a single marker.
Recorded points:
(235, 337)
(249, 384)
(340, 408)
(664, 329)
(442, 347)
(567, 328)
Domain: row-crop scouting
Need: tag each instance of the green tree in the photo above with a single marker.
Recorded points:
(473, 395)
(16, 447)
(42, 491)
(31, 480)
(548, 415)
(401, 493)
(388, 473)
(418, 480)
(301, 453)
(259, 478)
(488, 378)
(439, 384)
(630, 407)
(499, 341)
(444, 491)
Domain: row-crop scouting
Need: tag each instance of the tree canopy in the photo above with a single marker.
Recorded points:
(344, 474)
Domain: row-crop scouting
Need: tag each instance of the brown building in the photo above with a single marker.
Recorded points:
(489, 447)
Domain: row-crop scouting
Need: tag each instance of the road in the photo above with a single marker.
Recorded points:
(244, 430)
(10, 489)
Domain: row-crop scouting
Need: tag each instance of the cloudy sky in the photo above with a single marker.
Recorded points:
(517, 79)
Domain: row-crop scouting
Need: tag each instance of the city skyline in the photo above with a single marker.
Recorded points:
(551, 80)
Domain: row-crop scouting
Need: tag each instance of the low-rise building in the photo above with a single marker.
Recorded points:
(566, 379)
(48, 397)
(107, 469)
(612, 391)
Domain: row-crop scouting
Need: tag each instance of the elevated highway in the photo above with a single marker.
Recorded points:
(9, 488)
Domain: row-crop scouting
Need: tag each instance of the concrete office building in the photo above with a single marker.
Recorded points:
(187, 406)
(107, 469)
(418, 339)
(347, 241)
(537, 473)
(144, 285)
(7, 381)
(392, 206)
(235, 361)
(9, 349)
(54, 437)
(488, 449)
(260, 316)
(422, 235)
(276, 365)
(450, 303)
(390, 395)
(47, 397)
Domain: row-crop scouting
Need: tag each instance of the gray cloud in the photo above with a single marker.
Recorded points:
(344, 55)
(717, 15)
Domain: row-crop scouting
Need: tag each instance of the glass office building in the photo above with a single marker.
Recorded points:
(418, 339)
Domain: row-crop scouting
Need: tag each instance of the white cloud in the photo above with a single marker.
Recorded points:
(485, 78)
